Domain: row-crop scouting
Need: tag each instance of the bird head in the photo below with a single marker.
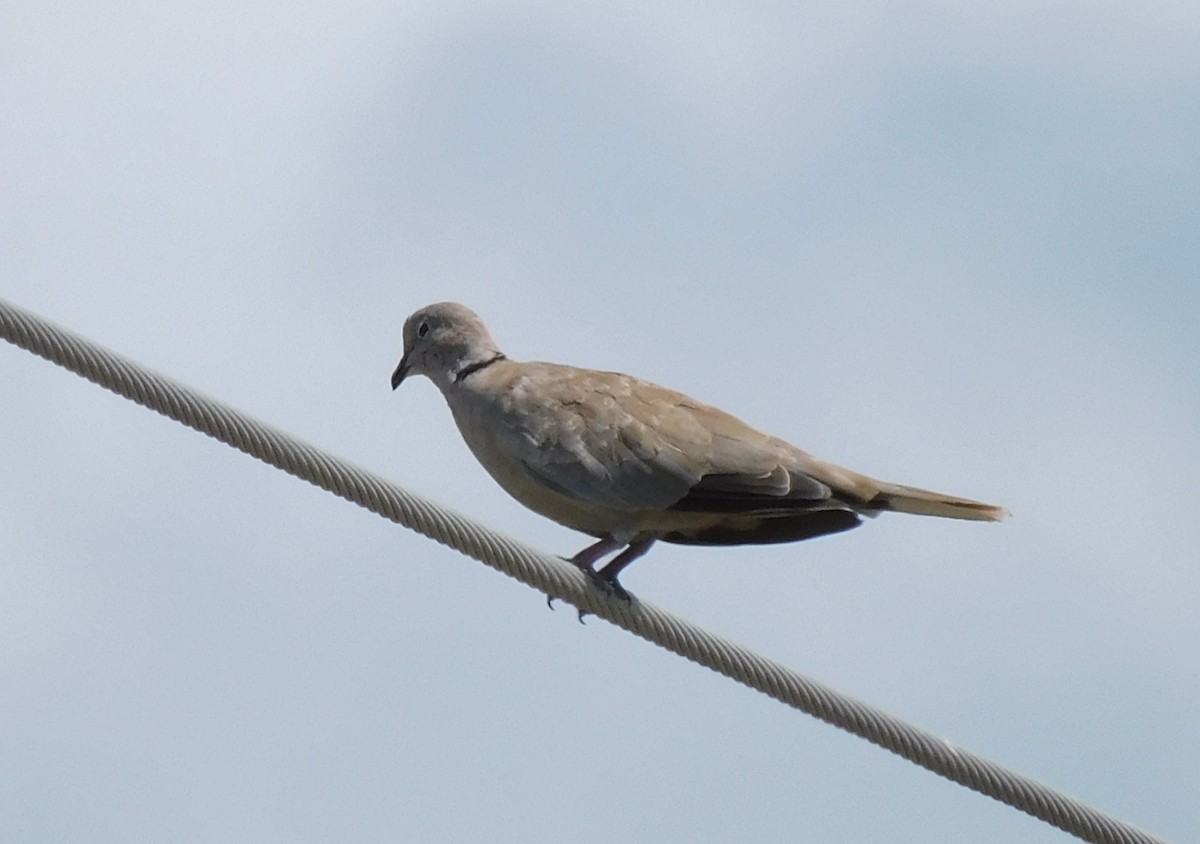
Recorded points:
(442, 342)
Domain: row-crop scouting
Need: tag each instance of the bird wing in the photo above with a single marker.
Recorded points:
(622, 443)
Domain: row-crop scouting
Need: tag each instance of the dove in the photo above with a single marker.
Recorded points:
(632, 463)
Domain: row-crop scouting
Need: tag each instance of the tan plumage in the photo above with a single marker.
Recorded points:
(631, 462)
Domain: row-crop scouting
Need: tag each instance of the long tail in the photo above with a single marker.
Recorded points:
(924, 502)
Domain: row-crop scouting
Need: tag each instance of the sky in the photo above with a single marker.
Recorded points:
(950, 246)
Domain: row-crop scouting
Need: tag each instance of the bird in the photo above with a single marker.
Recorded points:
(632, 463)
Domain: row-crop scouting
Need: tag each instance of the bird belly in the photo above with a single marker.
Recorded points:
(572, 511)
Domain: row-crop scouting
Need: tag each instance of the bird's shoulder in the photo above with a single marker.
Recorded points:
(538, 392)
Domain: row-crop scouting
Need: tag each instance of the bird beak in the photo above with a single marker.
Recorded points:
(401, 372)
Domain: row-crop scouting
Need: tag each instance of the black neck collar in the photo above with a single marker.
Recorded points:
(471, 369)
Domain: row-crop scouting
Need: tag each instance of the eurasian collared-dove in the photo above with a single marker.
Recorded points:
(630, 462)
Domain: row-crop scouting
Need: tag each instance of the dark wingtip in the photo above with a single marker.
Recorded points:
(770, 530)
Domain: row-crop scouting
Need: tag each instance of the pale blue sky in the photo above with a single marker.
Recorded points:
(952, 247)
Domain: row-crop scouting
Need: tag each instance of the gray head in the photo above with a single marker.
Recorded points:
(445, 342)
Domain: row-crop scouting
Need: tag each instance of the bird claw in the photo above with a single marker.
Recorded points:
(610, 586)
(607, 585)
(550, 604)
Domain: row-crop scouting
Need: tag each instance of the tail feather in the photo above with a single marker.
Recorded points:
(924, 502)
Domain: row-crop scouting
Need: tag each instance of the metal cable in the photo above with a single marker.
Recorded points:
(556, 578)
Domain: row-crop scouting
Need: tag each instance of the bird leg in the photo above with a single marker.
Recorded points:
(608, 574)
(585, 559)
(606, 578)
(589, 555)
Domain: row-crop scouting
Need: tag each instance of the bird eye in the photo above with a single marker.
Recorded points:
(422, 329)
